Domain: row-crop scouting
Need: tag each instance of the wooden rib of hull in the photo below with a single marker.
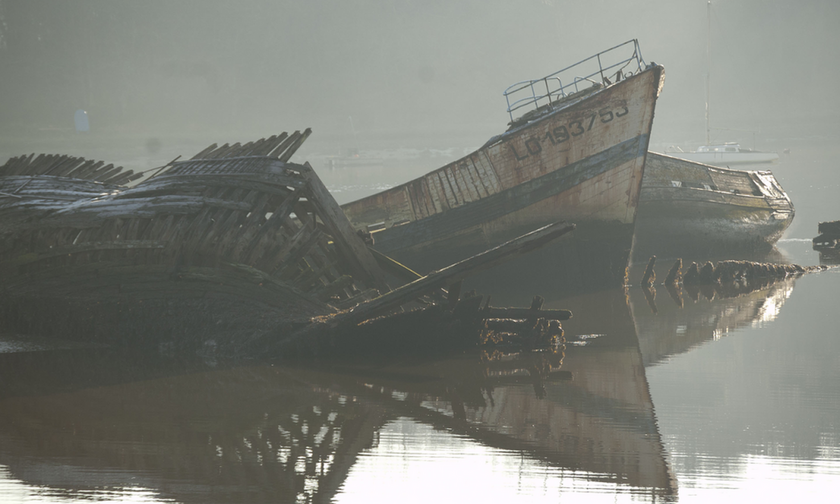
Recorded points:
(692, 208)
(526, 178)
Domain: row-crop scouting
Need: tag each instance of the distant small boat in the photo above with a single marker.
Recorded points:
(720, 154)
(690, 208)
(352, 158)
(725, 154)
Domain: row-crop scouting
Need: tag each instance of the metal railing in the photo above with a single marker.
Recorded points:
(602, 67)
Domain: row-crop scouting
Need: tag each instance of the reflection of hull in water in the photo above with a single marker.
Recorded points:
(594, 415)
(681, 319)
(257, 433)
(239, 435)
(692, 208)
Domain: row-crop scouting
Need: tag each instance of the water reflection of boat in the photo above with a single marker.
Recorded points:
(688, 207)
(679, 320)
(591, 414)
(578, 156)
(136, 426)
(267, 433)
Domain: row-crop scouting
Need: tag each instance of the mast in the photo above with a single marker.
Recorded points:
(708, 67)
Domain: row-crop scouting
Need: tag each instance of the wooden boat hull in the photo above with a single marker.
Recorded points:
(689, 208)
(582, 163)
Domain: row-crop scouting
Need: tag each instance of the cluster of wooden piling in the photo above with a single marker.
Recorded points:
(724, 272)
(740, 271)
(723, 279)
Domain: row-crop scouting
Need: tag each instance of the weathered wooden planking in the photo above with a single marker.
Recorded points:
(232, 203)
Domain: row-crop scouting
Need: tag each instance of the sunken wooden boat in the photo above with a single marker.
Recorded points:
(237, 241)
(689, 209)
(577, 155)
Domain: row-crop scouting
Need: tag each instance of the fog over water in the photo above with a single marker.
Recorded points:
(689, 397)
(398, 68)
(161, 79)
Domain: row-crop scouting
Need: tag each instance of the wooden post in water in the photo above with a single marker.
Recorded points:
(650, 275)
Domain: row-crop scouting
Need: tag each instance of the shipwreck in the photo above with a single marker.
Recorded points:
(577, 153)
(693, 209)
(236, 248)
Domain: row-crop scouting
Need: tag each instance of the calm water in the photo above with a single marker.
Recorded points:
(666, 398)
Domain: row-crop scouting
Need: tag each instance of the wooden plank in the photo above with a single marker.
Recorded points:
(349, 243)
(78, 168)
(94, 175)
(102, 177)
(67, 167)
(490, 173)
(468, 174)
(244, 235)
(47, 168)
(435, 192)
(12, 164)
(274, 144)
(280, 149)
(452, 273)
(120, 179)
(298, 253)
(230, 228)
(449, 188)
(206, 151)
(83, 171)
(269, 144)
(290, 151)
(274, 223)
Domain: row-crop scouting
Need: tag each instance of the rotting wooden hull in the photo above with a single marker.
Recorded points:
(582, 163)
(689, 208)
(234, 244)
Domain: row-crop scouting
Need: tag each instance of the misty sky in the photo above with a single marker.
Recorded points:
(397, 67)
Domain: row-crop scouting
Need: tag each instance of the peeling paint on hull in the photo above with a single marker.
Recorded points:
(688, 208)
(582, 163)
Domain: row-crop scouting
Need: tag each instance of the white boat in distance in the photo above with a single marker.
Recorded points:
(724, 154)
(719, 154)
